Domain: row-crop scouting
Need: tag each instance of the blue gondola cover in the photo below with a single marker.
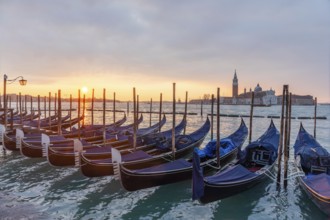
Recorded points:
(232, 174)
(309, 149)
(319, 183)
(197, 182)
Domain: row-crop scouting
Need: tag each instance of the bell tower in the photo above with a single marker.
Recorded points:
(235, 86)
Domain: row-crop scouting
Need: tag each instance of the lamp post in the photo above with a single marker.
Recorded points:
(22, 82)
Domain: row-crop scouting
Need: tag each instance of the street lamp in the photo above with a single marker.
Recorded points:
(22, 82)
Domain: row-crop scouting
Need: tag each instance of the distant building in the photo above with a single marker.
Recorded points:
(261, 97)
(298, 100)
(235, 86)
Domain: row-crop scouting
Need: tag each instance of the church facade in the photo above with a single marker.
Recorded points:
(261, 97)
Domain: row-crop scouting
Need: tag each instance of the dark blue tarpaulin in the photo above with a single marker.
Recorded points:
(309, 149)
(319, 183)
(198, 181)
(232, 174)
(269, 141)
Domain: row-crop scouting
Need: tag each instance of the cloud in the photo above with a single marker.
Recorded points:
(271, 42)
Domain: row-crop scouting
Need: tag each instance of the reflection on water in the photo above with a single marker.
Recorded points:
(32, 189)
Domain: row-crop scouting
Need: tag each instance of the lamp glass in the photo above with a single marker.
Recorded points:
(22, 82)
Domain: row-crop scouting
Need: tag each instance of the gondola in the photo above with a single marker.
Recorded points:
(312, 162)
(146, 154)
(139, 176)
(93, 130)
(9, 138)
(98, 137)
(31, 145)
(254, 164)
(69, 155)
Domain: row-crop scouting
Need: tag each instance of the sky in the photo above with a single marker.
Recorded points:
(149, 45)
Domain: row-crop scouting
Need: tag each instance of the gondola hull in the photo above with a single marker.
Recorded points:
(95, 168)
(222, 191)
(322, 202)
(61, 158)
(254, 164)
(29, 150)
(9, 142)
(132, 181)
(104, 167)
(312, 162)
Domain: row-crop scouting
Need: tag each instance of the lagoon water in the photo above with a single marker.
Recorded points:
(32, 189)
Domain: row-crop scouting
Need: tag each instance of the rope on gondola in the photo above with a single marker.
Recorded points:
(269, 174)
(77, 159)
(295, 175)
(214, 167)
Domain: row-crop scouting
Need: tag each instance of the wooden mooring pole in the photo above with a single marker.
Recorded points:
(45, 107)
(70, 111)
(160, 111)
(55, 104)
(60, 113)
(137, 111)
(251, 117)
(212, 112)
(17, 102)
(78, 113)
(49, 108)
(287, 139)
(173, 124)
(92, 115)
(150, 112)
(20, 109)
(218, 128)
(104, 107)
(280, 148)
(83, 113)
(315, 114)
(185, 111)
(39, 112)
(25, 103)
(114, 107)
(134, 119)
(31, 110)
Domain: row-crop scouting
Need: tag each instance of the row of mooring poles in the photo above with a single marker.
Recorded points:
(284, 136)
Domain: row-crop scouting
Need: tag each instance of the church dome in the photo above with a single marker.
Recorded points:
(257, 88)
